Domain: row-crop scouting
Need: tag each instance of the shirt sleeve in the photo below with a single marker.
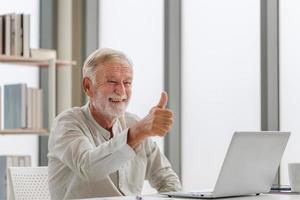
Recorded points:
(71, 146)
(159, 171)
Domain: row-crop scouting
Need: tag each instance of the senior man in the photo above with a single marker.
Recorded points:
(100, 149)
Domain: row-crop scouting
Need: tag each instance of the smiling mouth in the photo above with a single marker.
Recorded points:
(114, 100)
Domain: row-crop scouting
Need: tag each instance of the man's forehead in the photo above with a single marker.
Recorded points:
(115, 65)
(111, 69)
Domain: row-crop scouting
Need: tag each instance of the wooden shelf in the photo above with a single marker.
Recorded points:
(65, 62)
(52, 65)
(23, 61)
(41, 132)
(33, 61)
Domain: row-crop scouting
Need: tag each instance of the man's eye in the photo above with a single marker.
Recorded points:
(127, 83)
(112, 82)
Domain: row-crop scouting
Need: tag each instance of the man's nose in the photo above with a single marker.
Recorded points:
(120, 89)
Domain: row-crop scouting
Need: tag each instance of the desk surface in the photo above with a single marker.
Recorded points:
(259, 197)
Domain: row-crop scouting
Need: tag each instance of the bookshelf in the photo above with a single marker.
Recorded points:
(51, 63)
(41, 132)
(33, 61)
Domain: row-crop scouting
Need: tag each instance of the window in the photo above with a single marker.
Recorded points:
(136, 28)
(289, 29)
(220, 82)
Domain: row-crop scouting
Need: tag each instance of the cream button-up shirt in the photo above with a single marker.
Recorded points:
(84, 162)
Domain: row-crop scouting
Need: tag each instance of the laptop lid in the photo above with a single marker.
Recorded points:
(251, 163)
(249, 167)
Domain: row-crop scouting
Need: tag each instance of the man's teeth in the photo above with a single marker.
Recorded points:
(116, 100)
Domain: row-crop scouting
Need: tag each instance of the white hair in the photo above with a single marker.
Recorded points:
(102, 56)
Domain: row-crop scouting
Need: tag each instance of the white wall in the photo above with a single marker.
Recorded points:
(220, 82)
(136, 28)
(24, 145)
(289, 28)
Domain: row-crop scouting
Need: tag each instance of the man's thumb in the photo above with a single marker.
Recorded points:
(163, 100)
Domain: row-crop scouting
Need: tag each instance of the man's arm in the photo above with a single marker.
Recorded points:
(69, 144)
(157, 123)
(159, 171)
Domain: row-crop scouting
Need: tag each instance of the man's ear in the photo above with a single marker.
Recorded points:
(87, 86)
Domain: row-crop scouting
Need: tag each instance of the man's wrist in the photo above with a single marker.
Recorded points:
(135, 137)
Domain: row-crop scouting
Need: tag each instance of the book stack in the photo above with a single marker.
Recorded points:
(23, 107)
(7, 161)
(15, 34)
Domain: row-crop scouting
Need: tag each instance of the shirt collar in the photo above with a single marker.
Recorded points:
(116, 129)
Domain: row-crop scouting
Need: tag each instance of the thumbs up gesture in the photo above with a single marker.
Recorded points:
(160, 119)
(157, 123)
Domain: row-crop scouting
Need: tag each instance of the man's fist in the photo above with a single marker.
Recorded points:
(157, 123)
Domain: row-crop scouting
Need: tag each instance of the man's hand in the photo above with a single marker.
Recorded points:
(159, 120)
(157, 123)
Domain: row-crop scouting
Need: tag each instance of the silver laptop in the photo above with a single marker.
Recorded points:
(249, 167)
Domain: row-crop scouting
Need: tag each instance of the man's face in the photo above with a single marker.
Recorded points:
(112, 89)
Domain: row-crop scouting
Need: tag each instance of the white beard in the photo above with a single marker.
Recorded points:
(108, 108)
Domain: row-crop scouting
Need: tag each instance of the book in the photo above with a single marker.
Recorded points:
(12, 33)
(15, 106)
(7, 33)
(18, 34)
(25, 34)
(15, 34)
(7, 161)
(39, 105)
(1, 35)
(34, 108)
(30, 106)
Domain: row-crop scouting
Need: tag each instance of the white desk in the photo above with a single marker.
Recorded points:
(259, 197)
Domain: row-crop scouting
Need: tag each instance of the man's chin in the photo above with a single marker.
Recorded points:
(117, 113)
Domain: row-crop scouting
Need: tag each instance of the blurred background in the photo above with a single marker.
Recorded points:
(227, 65)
